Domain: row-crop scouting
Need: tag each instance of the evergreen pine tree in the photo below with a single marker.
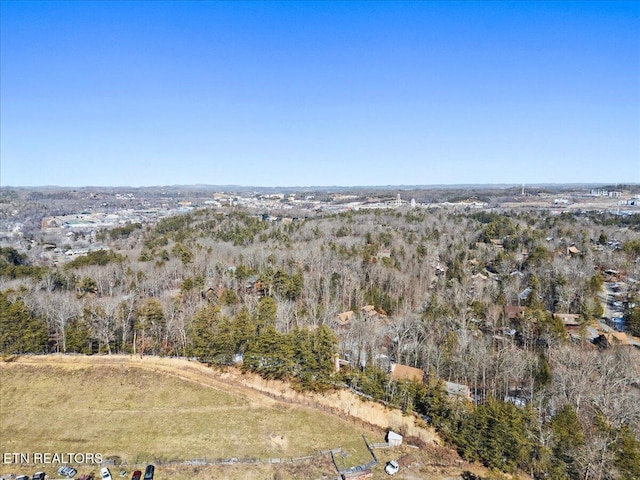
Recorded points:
(20, 331)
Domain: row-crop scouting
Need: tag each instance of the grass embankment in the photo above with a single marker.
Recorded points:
(146, 411)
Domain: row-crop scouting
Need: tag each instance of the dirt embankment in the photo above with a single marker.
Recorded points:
(339, 402)
(343, 403)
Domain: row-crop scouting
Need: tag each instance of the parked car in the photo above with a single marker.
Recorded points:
(148, 473)
(38, 476)
(105, 474)
(67, 471)
(392, 467)
(22, 477)
(137, 475)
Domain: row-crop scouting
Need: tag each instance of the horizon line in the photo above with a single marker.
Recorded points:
(375, 186)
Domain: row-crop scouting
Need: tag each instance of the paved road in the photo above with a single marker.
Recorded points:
(607, 298)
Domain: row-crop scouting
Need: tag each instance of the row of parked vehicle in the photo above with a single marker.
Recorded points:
(36, 476)
(105, 474)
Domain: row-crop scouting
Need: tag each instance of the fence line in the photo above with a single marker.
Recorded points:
(380, 445)
(357, 468)
(234, 460)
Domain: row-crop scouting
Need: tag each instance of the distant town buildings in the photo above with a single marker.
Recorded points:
(599, 192)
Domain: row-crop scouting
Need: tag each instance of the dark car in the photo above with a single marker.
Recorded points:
(38, 476)
(137, 475)
(22, 477)
(148, 473)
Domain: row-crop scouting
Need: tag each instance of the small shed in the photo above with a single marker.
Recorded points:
(394, 439)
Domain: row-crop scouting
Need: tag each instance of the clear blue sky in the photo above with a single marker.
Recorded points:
(311, 93)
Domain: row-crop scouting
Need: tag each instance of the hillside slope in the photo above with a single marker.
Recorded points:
(160, 410)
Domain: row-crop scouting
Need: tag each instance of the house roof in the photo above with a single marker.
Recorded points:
(513, 311)
(523, 295)
(370, 311)
(479, 276)
(569, 319)
(617, 338)
(393, 436)
(405, 372)
(345, 317)
(457, 389)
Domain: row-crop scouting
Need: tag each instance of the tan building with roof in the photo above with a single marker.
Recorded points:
(405, 372)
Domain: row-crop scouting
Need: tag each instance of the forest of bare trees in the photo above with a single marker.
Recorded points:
(425, 288)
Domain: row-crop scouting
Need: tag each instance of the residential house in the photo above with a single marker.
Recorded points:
(345, 318)
(513, 312)
(569, 319)
(405, 372)
(617, 338)
(458, 390)
(210, 294)
(369, 311)
(524, 295)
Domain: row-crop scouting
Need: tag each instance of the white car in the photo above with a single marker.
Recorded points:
(105, 474)
(392, 467)
(68, 472)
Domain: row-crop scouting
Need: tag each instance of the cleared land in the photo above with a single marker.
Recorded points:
(160, 410)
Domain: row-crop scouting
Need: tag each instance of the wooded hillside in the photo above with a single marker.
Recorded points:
(468, 297)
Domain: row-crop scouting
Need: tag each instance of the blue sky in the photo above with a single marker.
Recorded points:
(121, 93)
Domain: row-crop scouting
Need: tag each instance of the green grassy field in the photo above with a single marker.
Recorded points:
(148, 416)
